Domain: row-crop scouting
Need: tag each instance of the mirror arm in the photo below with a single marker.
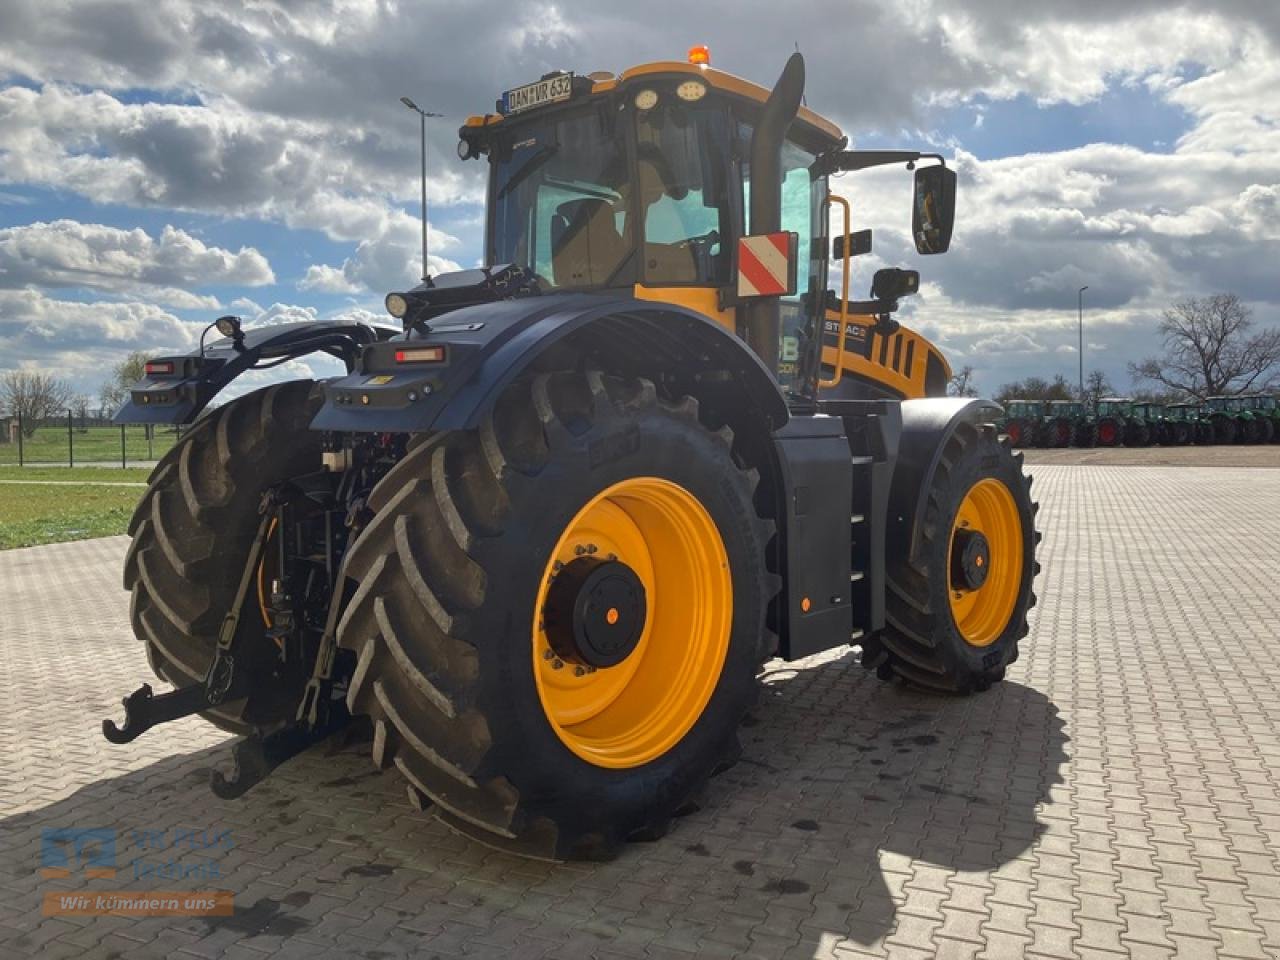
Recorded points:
(840, 161)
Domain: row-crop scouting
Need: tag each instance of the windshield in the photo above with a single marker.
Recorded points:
(557, 203)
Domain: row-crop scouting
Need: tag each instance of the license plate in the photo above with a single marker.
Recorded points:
(551, 90)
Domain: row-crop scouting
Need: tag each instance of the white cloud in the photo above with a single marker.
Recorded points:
(67, 254)
(326, 279)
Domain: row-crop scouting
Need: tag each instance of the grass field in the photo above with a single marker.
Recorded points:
(50, 504)
(52, 444)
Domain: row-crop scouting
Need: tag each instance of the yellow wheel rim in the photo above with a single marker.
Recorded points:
(982, 614)
(629, 714)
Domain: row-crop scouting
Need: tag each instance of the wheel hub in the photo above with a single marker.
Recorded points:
(595, 612)
(970, 560)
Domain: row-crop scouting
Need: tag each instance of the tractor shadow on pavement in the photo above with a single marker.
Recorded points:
(851, 796)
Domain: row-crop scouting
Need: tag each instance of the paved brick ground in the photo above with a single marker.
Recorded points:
(1119, 796)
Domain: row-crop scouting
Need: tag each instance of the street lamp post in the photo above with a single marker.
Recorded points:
(422, 116)
(1081, 349)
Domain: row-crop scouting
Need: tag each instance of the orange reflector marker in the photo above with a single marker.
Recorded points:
(152, 367)
(612, 616)
(805, 604)
(420, 355)
(700, 54)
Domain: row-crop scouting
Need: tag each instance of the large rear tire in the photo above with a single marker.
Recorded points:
(1085, 435)
(194, 526)
(1110, 432)
(942, 635)
(477, 693)
(1224, 429)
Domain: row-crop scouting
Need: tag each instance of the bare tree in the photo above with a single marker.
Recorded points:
(1035, 388)
(124, 375)
(961, 384)
(1209, 349)
(33, 396)
(1096, 386)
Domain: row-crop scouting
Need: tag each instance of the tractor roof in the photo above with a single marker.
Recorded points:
(604, 82)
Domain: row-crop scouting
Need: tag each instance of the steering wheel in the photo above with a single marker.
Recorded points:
(701, 248)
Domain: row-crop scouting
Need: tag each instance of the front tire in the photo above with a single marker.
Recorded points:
(454, 620)
(938, 634)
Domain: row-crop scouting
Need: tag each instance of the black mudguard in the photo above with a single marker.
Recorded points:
(926, 426)
(405, 386)
(196, 378)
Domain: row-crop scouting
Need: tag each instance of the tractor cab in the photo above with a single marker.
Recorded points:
(1115, 407)
(679, 183)
(1024, 410)
(1225, 404)
(1066, 408)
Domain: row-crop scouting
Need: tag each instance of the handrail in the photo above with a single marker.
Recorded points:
(844, 294)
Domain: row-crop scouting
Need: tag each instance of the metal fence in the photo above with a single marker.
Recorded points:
(82, 440)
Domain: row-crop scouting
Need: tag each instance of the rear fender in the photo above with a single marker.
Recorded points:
(484, 348)
(927, 425)
(195, 378)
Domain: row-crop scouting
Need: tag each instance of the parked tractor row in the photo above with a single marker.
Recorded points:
(1120, 421)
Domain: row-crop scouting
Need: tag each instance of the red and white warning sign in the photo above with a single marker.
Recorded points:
(767, 264)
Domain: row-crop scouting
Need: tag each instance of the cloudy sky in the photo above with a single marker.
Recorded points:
(167, 161)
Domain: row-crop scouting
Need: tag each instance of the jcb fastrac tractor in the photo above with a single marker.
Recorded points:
(544, 533)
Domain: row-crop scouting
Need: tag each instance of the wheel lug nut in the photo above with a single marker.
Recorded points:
(548, 655)
(579, 672)
(579, 550)
(557, 664)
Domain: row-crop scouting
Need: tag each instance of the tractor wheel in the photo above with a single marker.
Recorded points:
(955, 612)
(195, 524)
(1250, 431)
(1110, 432)
(1275, 431)
(1085, 435)
(1137, 434)
(1224, 429)
(1204, 432)
(1266, 430)
(1060, 433)
(561, 615)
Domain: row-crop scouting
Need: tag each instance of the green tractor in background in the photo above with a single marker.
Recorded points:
(1267, 410)
(1116, 425)
(1068, 424)
(1234, 422)
(1022, 421)
(1151, 415)
(1184, 425)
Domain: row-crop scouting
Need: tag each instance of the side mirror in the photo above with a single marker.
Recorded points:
(859, 244)
(934, 211)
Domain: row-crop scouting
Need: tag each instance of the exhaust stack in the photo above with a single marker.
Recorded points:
(762, 316)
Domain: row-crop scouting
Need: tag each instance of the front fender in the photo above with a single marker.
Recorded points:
(193, 379)
(487, 346)
(927, 424)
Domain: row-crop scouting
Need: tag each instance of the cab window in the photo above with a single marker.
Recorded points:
(803, 214)
(682, 196)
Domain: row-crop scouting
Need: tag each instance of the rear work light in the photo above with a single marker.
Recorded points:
(158, 367)
(420, 355)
